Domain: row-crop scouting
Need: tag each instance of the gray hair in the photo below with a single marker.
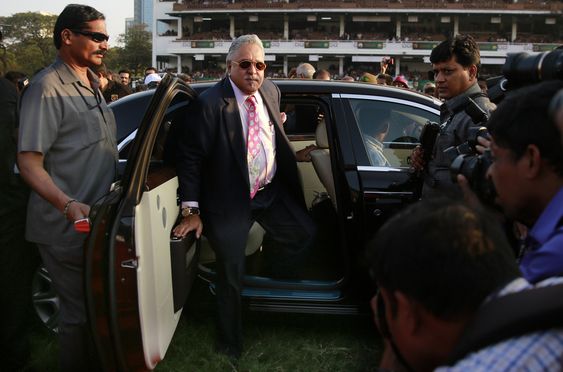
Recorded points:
(240, 41)
(305, 70)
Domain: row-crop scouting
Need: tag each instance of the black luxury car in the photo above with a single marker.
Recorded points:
(138, 276)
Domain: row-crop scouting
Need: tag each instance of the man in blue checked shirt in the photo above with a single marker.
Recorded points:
(431, 288)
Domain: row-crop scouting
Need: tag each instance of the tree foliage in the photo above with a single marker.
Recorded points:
(136, 53)
(29, 41)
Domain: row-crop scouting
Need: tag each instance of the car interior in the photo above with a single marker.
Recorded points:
(397, 127)
(306, 125)
(305, 117)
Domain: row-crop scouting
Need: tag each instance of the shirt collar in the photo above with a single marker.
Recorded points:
(549, 219)
(453, 104)
(69, 76)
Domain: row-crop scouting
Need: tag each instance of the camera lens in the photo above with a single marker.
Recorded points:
(552, 66)
(521, 68)
(474, 169)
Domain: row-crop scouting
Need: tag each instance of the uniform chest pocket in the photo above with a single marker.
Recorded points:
(93, 129)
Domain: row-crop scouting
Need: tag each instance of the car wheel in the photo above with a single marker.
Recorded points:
(45, 300)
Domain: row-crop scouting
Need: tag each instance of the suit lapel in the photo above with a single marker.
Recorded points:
(233, 126)
(272, 105)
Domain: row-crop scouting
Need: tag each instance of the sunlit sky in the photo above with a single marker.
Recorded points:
(115, 11)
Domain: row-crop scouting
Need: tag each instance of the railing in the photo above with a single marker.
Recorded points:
(364, 47)
(365, 43)
(553, 5)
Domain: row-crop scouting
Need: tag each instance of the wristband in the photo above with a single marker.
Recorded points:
(67, 206)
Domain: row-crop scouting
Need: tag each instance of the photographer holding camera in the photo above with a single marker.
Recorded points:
(455, 63)
(527, 173)
(454, 296)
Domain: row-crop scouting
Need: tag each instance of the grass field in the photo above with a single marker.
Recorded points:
(273, 342)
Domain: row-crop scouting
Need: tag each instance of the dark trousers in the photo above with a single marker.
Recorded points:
(19, 259)
(66, 267)
(286, 222)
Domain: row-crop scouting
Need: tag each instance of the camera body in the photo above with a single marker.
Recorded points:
(474, 168)
(427, 139)
(468, 147)
(466, 160)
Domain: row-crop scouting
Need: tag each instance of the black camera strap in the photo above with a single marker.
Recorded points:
(509, 316)
(454, 110)
(466, 102)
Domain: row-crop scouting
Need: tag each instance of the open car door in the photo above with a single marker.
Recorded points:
(137, 276)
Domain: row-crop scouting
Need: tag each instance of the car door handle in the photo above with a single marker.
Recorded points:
(130, 264)
(389, 193)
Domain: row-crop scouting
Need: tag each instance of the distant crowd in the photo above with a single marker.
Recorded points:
(115, 85)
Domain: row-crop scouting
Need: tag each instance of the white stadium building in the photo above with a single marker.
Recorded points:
(345, 36)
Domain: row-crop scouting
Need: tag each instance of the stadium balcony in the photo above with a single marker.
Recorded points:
(300, 35)
(554, 6)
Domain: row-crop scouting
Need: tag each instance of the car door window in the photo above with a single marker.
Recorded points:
(303, 114)
(389, 130)
(163, 154)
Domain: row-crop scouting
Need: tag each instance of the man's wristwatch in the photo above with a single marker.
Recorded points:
(190, 211)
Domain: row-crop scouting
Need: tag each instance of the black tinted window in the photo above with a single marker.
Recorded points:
(389, 130)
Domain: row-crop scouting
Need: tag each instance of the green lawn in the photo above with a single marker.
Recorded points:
(273, 342)
(279, 342)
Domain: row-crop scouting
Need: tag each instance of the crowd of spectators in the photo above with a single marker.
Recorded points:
(409, 79)
(406, 36)
(219, 34)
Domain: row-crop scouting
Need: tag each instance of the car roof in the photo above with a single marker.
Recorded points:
(140, 101)
(308, 86)
(322, 87)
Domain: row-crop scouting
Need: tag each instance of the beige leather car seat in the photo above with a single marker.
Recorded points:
(255, 237)
(320, 158)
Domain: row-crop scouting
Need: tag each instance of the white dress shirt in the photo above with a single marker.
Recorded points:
(267, 154)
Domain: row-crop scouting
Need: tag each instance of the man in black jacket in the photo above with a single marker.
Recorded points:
(236, 166)
(455, 63)
(19, 258)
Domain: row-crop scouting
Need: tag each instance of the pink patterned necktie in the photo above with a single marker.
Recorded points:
(253, 145)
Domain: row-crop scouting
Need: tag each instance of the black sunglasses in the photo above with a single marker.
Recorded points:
(246, 64)
(98, 37)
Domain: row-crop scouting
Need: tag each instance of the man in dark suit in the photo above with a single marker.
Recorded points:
(236, 166)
